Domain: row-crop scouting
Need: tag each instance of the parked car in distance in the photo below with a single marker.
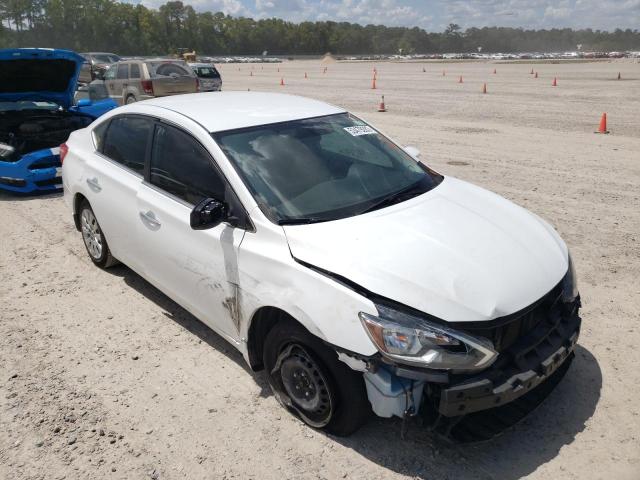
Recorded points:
(208, 77)
(95, 65)
(358, 278)
(37, 114)
(130, 81)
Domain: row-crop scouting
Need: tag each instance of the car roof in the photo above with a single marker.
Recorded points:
(201, 64)
(219, 111)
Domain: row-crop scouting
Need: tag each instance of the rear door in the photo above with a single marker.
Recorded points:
(113, 175)
(197, 268)
(171, 78)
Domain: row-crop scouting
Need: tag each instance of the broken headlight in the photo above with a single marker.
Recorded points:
(570, 284)
(412, 340)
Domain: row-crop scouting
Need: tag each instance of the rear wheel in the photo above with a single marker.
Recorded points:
(307, 378)
(130, 99)
(94, 240)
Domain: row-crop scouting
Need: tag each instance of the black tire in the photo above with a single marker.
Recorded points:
(288, 348)
(130, 99)
(93, 238)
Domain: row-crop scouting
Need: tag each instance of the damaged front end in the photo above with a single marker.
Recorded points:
(487, 375)
(29, 140)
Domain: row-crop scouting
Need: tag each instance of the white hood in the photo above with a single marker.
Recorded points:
(458, 252)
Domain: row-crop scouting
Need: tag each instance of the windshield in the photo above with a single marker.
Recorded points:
(104, 58)
(206, 72)
(323, 168)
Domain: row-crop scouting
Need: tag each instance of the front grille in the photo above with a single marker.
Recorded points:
(509, 330)
(14, 182)
(49, 181)
(47, 163)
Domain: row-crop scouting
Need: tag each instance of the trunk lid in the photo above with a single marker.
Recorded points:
(39, 74)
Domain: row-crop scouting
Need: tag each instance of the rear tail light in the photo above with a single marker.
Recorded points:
(147, 86)
(64, 149)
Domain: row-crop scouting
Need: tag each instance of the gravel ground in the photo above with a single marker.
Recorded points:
(102, 376)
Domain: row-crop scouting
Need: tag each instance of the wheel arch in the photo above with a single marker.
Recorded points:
(261, 323)
(78, 198)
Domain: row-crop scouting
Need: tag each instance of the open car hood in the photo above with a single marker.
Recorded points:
(39, 74)
(457, 252)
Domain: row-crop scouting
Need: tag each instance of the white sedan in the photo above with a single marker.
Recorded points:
(358, 278)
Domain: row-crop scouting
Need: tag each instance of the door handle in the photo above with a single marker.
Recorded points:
(150, 218)
(94, 184)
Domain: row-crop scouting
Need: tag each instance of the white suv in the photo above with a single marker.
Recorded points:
(356, 276)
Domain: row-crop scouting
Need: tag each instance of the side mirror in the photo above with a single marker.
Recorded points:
(413, 151)
(208, 214)
(84, 102)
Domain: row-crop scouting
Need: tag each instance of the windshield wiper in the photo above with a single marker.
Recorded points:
(300, 221)
(411, 191)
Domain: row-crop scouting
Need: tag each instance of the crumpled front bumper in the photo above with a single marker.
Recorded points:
(483, 393)
(36, 171)
(480, 406)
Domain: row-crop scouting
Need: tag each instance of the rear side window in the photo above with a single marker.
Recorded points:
(126, 140)
(135, 71)
(98, 135)
(182, 167)
(123, 71)
(167, 69)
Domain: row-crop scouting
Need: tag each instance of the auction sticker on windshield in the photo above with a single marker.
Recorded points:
(358, 130)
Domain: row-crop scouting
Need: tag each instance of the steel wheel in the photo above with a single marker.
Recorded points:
(91, 234)
(306, 386)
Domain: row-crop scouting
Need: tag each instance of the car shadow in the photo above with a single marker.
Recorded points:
(518, 452)
(6, 195)
(186, 320)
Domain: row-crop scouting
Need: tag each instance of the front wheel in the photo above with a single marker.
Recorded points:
(94, 240)
(307, 378)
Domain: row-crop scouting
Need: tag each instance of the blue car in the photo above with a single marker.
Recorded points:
(37, 114)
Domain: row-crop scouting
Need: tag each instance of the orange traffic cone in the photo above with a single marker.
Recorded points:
(460, 81)
(531, 72)
(325, 70)
(619, 77)
(603, 124)
(443, 73)
(555, 82)
(484, 88)
(251, 73)
(282, 81)
(495, 71)
(373, 83)
(278, 70)
(423, 70)
(536, 75)
(305, 75)
(381, 107)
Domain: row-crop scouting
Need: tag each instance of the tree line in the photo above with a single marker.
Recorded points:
(107, 25)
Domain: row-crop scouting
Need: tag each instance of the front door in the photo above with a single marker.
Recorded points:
(197, 268)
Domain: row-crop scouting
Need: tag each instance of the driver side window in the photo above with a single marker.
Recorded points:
(181, 166)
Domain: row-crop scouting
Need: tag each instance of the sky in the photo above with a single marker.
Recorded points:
(435, 15)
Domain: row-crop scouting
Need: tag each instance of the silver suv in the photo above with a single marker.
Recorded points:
(208, 77)
(130, 81)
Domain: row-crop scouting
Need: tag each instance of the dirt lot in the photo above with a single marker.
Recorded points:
(101, 376)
